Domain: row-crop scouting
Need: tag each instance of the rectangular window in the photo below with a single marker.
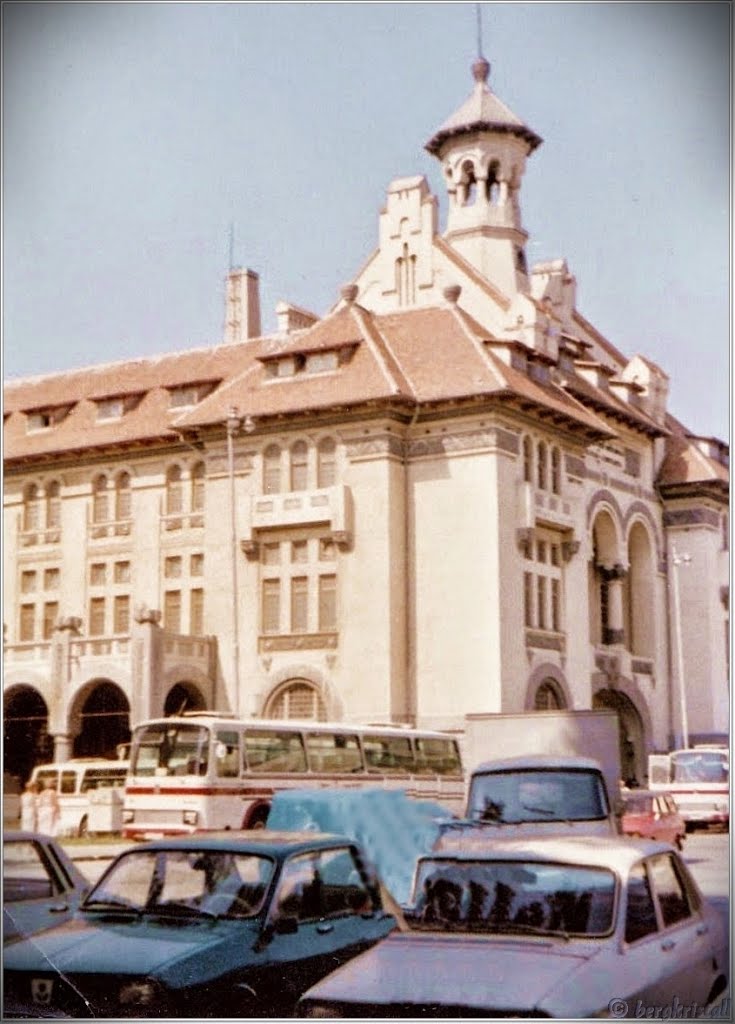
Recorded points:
(122, 572)
(122, 614)
(196, 612)
(97, 616)
(28, 582)
(271, 554)
(98, 574)
(271, 606)
(541, 602)
(110, 408)
(555, 605)
(299, 604)
(172, 611)
(51, 578)
(327, 549)
(196, 565)
(27, 622)
(50, 615)
(327, 603)
(172, 567)
(299, 551)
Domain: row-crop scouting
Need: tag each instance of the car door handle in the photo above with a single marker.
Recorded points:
(59, 908)
(666, 946)
(324, 929)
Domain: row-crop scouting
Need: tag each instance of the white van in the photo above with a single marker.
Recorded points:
(80, 783)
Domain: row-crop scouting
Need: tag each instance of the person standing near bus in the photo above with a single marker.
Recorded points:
(48, 809)
(29, 807)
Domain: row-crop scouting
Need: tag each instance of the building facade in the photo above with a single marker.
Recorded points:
(450, 494)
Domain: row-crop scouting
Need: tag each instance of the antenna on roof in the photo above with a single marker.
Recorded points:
(232, 246)
(479, 30)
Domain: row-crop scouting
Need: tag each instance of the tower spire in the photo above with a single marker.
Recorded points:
(480, 67)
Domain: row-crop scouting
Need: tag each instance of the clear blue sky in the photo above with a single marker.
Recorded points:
(135, 134)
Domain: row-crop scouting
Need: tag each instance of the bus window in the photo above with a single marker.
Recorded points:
(435, 756)
(103, 778)
(44, 775)
(699, 766)
(69, 782)
(389, 755)
(333, 752)
(269, 750)
(227, 754)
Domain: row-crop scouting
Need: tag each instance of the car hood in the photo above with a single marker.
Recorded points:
(146, 946)
(488, 972)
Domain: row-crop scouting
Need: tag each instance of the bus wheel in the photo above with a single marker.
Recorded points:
(83, 830)
(259, 817)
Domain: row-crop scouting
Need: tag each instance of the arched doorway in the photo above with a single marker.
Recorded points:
(297, 698)
(548, 697)
(632, 746)
(26, 742)
(104, 720)
(183, 697)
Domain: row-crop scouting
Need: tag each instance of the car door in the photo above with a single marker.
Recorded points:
(685, 935)
(322, 914)
(37, 894)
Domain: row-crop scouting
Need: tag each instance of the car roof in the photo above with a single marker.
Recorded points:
(537, 760)
(616, 852)
(260, 841)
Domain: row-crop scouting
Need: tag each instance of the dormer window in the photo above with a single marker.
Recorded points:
(186, 395)
(292, 364)
(114, 407)
(321, 362)
(43, 419)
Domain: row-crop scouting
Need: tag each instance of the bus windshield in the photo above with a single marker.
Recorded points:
(176, 749)
(699, 766)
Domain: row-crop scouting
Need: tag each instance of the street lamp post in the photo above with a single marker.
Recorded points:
(678, 560)
(233, 426)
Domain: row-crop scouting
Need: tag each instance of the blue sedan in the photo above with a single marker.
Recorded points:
(41, 886)
(227, 924)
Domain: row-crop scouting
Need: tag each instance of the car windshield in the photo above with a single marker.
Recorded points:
(516, 797)
(543, 898)
(163, 749)
(196, 883)
(699, 766)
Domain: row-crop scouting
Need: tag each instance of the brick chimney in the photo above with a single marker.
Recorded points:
(242, 309)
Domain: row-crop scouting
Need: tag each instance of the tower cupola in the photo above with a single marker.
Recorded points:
(483, 148)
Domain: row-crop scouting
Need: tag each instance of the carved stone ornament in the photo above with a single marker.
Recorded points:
(569, 549)
(250, 548)
(143, 614)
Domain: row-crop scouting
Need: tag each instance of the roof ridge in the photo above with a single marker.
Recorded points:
(502, 300)
(459, 315)
(384, 359)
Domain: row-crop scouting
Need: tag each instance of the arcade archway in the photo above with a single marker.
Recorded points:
(102, 714)
(183, 697)
(632, 740)
(25, 731)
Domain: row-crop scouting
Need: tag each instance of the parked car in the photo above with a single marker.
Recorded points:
(227, 924)
(652, 815)
(41, 885)
(557, 927)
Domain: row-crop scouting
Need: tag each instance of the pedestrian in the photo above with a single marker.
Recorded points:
(48, 809)
(29, 807)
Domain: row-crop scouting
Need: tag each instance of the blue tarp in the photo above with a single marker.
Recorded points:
(391, 828)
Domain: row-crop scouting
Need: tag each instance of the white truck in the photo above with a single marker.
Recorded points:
(540, 772)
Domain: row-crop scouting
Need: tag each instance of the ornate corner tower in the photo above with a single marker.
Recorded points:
(483, 148)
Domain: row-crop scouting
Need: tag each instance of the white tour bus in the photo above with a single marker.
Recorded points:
(79, 782)
(205, 770)
(699, 781)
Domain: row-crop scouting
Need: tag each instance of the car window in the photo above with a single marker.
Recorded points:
(640, 915)
(670, 890)
(26, 873)
(319, 884)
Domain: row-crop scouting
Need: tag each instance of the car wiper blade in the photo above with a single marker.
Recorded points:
(129, 908)
(181, 910)
(511, 927)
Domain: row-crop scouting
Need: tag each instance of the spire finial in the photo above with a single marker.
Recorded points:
(480, 67)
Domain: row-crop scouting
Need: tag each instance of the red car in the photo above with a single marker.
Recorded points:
(652, 816)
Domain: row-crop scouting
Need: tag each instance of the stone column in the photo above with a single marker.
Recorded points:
(615, 631)
(60, 729)
(147, 659)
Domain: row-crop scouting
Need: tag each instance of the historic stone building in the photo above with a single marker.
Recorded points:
(450, 494)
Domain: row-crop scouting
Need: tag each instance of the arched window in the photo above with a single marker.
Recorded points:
(326, 462)
(555, 471)
(272, 469)
(527, 459)
(53, 504)
(197, 487)
(174, 490)
(299, 699)
(469, 184)
(542, 466)
(31, 508)
(299, 466)
(122, 497)
(493, 187)
(548, 697)
(100, 503)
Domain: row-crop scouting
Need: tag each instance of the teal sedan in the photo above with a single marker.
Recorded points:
(228, 924)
